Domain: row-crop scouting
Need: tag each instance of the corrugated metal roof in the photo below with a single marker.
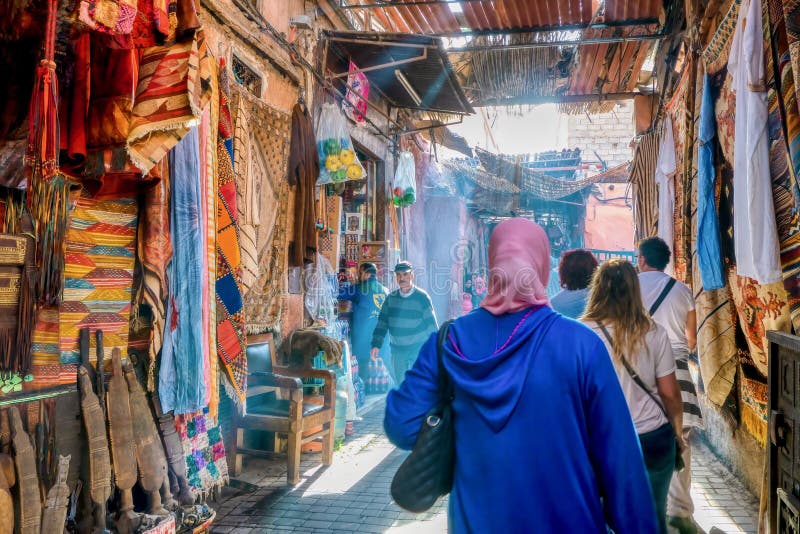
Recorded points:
(600, 68)
(506, 14)
(431, 77)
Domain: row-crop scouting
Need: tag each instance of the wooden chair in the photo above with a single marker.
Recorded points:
(283, 413)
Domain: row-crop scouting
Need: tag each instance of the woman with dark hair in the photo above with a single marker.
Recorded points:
(640, 349)
(527, 379)
(574, 272)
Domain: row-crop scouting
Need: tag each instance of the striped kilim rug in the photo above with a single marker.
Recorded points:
(97, 289)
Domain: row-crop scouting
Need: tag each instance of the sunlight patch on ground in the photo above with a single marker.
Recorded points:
(338, 479)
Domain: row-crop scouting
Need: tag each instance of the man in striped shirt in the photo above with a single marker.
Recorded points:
(408, 316)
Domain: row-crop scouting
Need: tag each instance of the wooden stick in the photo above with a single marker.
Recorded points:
(30, 504)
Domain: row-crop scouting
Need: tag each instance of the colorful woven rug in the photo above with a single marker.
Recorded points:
(204, 450)
(155, 251)
(784, 132)
(262, 147)
(97, 289)
(231, 336)
(677, 108)
(754, 395)
(101, 244)
(174, 87)
(760, 308)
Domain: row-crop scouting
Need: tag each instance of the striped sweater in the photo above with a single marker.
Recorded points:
(409, 321)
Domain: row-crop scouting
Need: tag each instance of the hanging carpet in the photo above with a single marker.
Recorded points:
(231, 336)
(261, 151)
(173, 89)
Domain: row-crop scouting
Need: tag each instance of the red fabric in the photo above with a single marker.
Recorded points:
(74, 110)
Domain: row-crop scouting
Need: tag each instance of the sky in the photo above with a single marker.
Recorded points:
(517, 131)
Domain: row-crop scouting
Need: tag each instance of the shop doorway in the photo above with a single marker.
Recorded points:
(784, 431)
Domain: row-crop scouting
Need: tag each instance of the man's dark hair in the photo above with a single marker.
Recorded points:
(575, 268)
(369, 268)
(655, 252)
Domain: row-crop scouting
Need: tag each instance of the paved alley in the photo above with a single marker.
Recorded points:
(353, 494)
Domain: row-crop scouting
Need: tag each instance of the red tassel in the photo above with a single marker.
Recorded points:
(48, 191)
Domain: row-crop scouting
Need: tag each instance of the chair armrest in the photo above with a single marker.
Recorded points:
(328, 376)
(275, 380)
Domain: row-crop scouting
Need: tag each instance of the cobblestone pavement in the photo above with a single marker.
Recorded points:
(352, 495)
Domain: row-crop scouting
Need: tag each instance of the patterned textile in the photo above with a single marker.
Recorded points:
(17, 302)
(679, 109)
(108, 16)
(791, 14)
(181, 385)
(174, 87)
(354, 105)
(725, 110)
(754, 395)
(113, 83)
(209, 128)
(784, 128)
(204, 450)
(692, 416)
(231, 336)
(97, 289)
(715, 54)
(155, 252)
(760, 308)
(716, 316)
(99, 275)
(261, 153)
(645, 191)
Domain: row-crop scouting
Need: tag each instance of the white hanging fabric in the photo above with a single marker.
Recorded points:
(665, 171)
(755, 230)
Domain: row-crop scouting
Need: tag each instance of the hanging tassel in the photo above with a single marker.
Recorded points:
(48, 190)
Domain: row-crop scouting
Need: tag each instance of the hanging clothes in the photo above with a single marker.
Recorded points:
(303, 173)
(665, 170)
(755, 230)
(709, 255)
(182, 385)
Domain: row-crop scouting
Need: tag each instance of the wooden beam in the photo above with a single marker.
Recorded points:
(556, 99)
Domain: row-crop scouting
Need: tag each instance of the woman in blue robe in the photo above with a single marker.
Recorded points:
(367, 297)
(544, 441)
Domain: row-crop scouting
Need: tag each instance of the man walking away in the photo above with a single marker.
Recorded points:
(409, 318)
(367, 297)
(671, 305)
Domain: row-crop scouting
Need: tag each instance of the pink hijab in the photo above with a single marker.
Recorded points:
(519, 267)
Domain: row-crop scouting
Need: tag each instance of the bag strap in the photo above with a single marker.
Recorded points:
(445, 383)
(662, 296)
(636, 378)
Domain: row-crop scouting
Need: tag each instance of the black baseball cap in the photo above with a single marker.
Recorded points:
(403, 267)
(370, 268)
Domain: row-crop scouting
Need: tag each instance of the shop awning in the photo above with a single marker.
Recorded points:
(412, 71)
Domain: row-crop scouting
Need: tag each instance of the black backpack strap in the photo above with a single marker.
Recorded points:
(662, 296)
(445, 384)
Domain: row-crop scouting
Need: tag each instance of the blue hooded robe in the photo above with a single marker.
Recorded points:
(367, 298)
(541, 426)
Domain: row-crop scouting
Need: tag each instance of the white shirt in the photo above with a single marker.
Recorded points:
(654, 360)
(755, 230)
(665, 170)
(674, 309)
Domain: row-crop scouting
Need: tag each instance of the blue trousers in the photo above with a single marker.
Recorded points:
(658, 448)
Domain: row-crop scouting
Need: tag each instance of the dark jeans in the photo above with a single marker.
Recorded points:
(658, 448)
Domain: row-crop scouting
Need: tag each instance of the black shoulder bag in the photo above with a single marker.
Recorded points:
(679, 464)
(427, 473)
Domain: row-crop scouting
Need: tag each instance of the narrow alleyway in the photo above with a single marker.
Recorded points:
(353, 494)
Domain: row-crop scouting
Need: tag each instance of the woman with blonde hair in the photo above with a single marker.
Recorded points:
(645, 366)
